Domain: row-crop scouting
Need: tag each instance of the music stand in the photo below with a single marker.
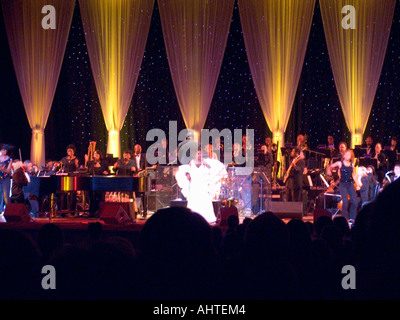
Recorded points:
(359, 151)
(366, 161)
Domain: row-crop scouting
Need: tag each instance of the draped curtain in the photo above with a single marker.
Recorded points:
(276, 34)
(357, 55)
(195, 35)
(37, 55)
(116, 33)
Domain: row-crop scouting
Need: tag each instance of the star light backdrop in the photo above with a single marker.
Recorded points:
(76, 115)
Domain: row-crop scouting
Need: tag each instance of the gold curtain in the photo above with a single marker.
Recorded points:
(276, 34)
(37, 55)
(116, 33)
(357, 55)
(195, 35)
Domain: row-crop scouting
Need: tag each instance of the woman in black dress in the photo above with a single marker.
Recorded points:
(70, 163)
(98, 166)
(347, 185)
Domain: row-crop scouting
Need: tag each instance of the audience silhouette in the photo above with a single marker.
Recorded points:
(178, 255)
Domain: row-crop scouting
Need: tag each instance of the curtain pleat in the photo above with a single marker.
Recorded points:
(357, 55)
(116, 32)
(276, 35)
(37, 56)
(195, 36)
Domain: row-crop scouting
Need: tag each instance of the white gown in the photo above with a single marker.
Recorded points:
(200, 191)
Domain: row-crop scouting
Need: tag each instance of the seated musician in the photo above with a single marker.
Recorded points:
(331, 147)
(19, 180)
(342, 148)
(70, 163)
(392, 176)
(97, 166)
(125, 166)
(369, 147)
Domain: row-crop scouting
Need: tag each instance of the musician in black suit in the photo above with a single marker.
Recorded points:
(294, 176)
(381, 165)
(139, 158)
(369, 147)
(391, 154)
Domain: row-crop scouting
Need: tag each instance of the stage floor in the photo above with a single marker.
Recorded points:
(82, 222)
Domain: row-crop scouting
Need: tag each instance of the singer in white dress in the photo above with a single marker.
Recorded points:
(200, 183)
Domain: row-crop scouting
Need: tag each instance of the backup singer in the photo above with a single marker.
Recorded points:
(294, 182)
(347, 180)
(125, 166)
(70, 163)
(98, 165)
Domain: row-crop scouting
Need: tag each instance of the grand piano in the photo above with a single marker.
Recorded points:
(46, 185)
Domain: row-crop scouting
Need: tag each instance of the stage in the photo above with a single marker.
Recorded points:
(75, 229)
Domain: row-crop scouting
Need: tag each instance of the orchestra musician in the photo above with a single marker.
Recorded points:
(331, 147)
(342, 148)
(381, 164)
(302, 142)
(347, 181)
(294, 176)
(392, 175)
(268, 160)
(392, 154)
(369, 152)
(393, 143)
(20, 179)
